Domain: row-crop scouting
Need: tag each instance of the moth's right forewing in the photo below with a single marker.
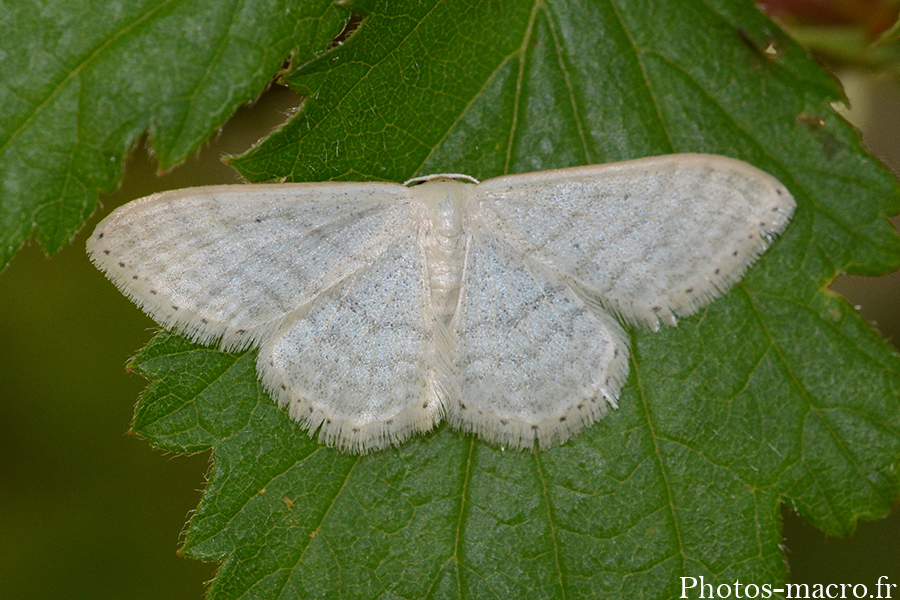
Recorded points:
(232, 262)
(649, 239)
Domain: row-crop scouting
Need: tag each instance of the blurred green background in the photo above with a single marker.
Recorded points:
(87, 511)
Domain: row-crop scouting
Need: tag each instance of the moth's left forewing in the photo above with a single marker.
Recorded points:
(649, 239)
(230, 263)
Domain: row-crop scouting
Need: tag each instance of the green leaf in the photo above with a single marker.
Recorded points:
(890, 36)
(81, 80)
(777, 392)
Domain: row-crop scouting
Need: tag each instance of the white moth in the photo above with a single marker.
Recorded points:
(379, 309)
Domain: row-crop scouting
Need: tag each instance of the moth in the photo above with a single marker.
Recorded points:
(380, 309)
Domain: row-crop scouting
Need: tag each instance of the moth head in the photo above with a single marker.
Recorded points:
(439, 177)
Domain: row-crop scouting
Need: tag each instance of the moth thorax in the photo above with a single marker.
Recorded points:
(445, 205)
